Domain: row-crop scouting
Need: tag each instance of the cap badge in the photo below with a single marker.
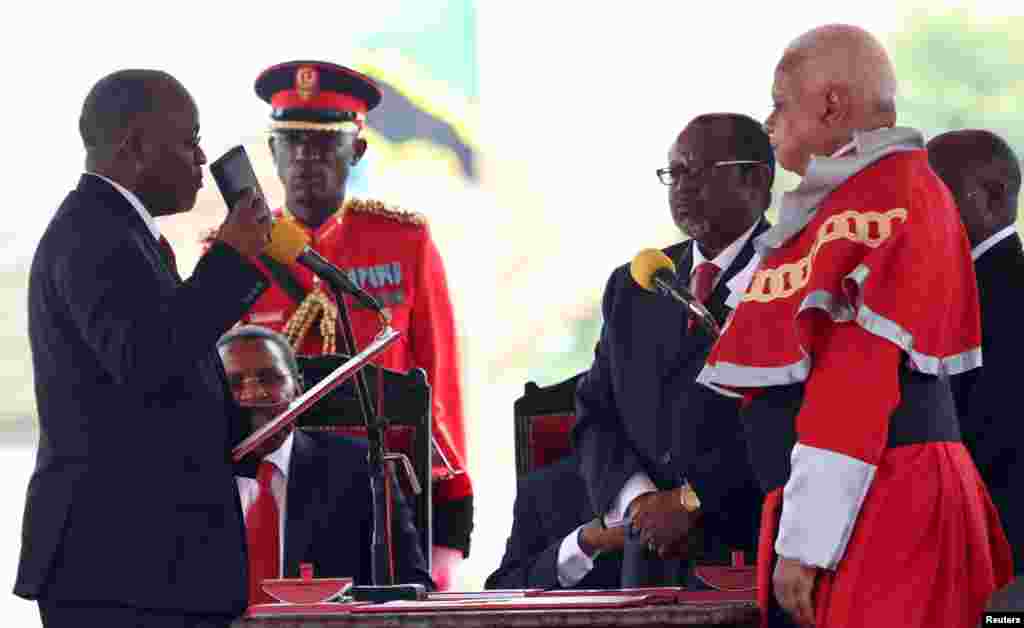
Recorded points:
(306, 81)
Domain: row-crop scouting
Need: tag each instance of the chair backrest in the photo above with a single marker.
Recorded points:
(543, 420)
(407, 408)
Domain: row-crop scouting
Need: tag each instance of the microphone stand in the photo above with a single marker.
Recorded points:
(701, 313)
(382, 548)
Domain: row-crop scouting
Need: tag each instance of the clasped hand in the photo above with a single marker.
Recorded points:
(663, 523)
(594, 538)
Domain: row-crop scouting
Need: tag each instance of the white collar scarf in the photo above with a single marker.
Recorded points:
(825, 174)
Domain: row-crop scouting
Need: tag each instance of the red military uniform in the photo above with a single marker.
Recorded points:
(318, 111)
(390, 254)
(865, 296)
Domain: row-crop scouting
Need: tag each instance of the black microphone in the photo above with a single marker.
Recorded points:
(656, 272)
(289, 243)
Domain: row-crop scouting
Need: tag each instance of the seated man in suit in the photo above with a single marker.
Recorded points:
(312, 490)
(657, 449)
(556, 541)
(982, 172)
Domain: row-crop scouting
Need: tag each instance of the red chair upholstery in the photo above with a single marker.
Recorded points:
(548, 438)
(543, 419)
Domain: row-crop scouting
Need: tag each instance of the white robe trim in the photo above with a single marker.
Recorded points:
(820, 504)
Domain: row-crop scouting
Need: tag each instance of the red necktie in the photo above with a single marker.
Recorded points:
(262, 527)
(701, 283)
(169, 257)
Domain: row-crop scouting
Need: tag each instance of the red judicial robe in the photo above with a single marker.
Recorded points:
(390, 254)
(865, 295)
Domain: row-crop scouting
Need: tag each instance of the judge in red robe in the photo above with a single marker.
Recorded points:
(863, 304)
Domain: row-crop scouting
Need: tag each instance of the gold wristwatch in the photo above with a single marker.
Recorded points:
(688, 498)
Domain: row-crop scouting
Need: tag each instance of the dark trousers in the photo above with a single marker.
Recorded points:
(81, 615)
(642, 568)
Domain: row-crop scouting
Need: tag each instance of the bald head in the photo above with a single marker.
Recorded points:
(831, 82)
(141, 129)
(122, 101)
(844, 55)
(983, 174)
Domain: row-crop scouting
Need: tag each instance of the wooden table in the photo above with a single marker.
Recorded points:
(738, 614)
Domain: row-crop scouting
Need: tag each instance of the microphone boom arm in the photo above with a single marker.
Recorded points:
(703, 315)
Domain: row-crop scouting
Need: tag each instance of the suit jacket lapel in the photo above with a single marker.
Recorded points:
(685, 266)
(305, 478)
(660, 323)
(716, 302)
(694, 341)
(653, 342)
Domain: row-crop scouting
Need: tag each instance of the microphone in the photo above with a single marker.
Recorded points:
(289, 243)
(656, 272)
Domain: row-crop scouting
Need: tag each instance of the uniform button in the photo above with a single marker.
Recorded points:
(666, 457)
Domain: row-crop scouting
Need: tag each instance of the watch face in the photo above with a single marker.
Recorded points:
(690, 500)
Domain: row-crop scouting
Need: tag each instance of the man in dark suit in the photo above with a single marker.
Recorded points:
(982, 172)
(132, 516)
(315, 488)
(656, 448)
(556, 542)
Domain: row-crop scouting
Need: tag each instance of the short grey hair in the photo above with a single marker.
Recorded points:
(256, 332)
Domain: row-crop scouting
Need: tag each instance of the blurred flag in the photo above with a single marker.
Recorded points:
(423, 126)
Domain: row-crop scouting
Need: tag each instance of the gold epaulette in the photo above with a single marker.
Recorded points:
(370, 206)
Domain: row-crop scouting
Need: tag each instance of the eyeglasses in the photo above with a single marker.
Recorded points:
(683, 171)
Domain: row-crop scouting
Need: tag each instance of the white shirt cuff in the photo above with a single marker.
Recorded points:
(636, 485)
(820, 504)
(573, 562)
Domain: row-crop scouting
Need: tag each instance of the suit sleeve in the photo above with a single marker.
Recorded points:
(839, 445)
(606, 459)
(530, 560)
(141, 335)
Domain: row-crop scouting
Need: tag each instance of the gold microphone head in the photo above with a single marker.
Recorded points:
(646, 263)
(287, 241)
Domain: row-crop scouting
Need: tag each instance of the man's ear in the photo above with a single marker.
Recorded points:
(835, 111)
(132, 148)
(997, 201)
(757, 183)
(760, 176)
(996, 189)
(272, 145)
(358, 150)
